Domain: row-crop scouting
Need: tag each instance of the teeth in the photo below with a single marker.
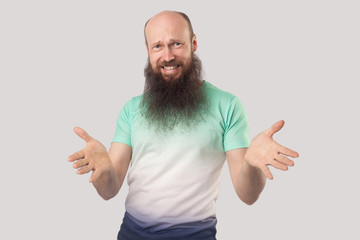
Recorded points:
(169, 68)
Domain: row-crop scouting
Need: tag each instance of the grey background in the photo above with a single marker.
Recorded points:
(75, 63)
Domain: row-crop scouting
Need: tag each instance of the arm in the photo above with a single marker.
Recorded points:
(120, 155)
(108, 183)
(249, 167)
(248, 181)
(109, 169)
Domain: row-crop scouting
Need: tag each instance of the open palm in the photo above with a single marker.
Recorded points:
(264, 151)
(93, 157)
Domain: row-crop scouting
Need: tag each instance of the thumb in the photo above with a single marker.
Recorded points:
(94, 176)
(276, 127)
(82, 133)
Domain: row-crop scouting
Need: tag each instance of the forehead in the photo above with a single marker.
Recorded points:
(167, 26)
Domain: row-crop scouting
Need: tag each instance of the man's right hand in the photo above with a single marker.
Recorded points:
(93, 157)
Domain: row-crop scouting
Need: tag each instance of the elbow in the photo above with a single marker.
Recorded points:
(108, 197)
(107, 193)
(250, 195)
(249, 200)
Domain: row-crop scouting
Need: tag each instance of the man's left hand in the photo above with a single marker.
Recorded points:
(264, 151)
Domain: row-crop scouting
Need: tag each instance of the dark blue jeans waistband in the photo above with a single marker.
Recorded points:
(131, 231)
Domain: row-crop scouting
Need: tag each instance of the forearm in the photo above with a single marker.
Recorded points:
(251, 182)
(107, 184)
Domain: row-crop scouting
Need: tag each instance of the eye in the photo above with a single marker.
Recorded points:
(177, 44)
(157, 46)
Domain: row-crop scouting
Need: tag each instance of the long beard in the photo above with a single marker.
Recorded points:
(178, 101)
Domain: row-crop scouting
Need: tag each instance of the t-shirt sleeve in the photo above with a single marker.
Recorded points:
(123, 126)
(236, 133)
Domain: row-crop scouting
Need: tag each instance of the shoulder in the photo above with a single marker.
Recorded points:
(218, 95)
(130, 109)
(133, 104)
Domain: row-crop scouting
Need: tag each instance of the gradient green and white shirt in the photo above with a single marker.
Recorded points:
(174, 177)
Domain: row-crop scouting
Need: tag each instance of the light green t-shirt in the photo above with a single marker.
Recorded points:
(174, 177)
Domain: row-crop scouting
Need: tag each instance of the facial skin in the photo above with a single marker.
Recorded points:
(169, 44)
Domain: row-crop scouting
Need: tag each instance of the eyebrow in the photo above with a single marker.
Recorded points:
(172, 40)
(175, 40)
(155, 43)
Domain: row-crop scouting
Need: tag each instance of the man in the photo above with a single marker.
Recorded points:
(176, 137)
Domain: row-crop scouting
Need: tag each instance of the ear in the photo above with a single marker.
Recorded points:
(147, 48)
(194, 43)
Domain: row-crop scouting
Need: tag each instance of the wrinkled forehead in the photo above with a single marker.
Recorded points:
(165, 27)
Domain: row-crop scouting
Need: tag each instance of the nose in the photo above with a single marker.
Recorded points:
(168, 55)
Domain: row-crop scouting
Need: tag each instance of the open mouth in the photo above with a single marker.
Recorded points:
(168, 68)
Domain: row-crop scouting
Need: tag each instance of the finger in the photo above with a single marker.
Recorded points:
(83, 134)
(284, 160)
(265, 169)
(85, 169)
(288, 152)
(94, 176)
(76, 156)
(278, 165)
(276, 127)
(81, 163)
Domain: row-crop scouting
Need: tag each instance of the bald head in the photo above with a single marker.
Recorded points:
(166, 18)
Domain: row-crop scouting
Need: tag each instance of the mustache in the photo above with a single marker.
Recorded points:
(171, 63)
